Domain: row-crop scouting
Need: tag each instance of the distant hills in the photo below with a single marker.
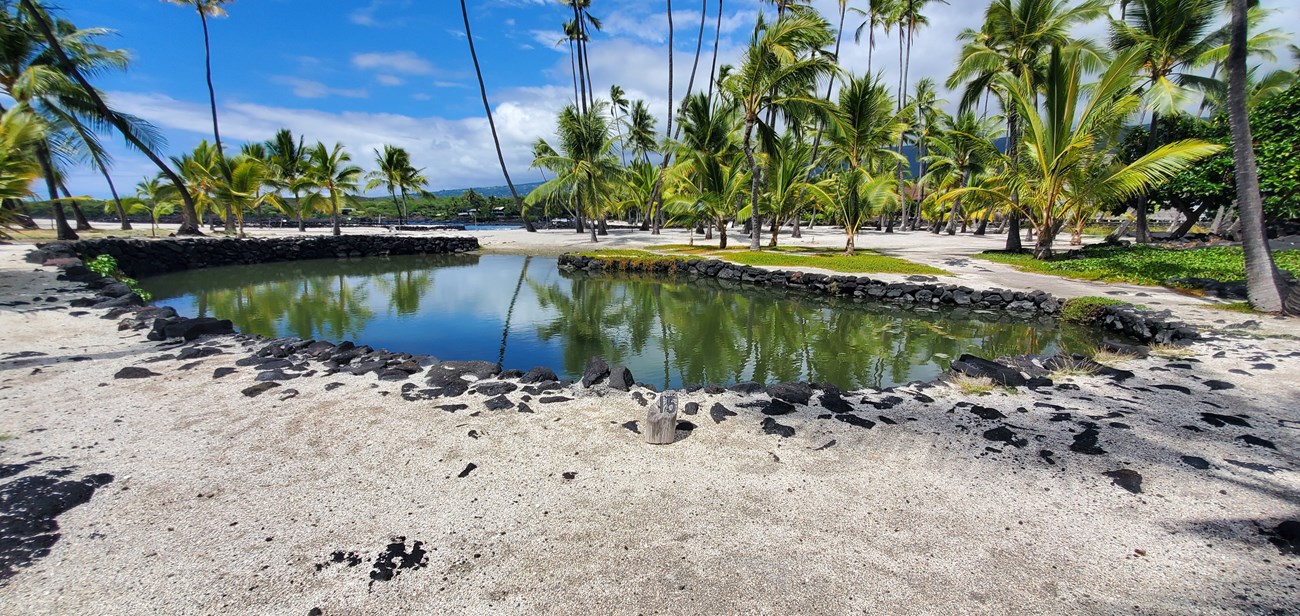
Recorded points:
(489, 191)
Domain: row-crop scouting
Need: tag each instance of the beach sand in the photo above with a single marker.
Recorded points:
(946, 504)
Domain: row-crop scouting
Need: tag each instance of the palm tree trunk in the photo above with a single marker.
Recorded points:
(717, 38)
(487, 108)
(755, 219)
(1264, 285)
(334, 212)
(1143, 232)
(297, 206)
(189, 226)
(573, 70)
(1013, 146)
(212, 93)
(505, 327)
(117, 201)
(62, 229)
(656, 196)
(956, 205)
(80, 216)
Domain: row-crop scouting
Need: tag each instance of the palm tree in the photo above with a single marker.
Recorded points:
(925, 117)
(656, 196)
(487, 109)
(132, 132)
(156, 198)
(789, 185)
(206, 9)
(392, 165)
(581, 20)
(333, 181)
(641, 130)
(963, 149)
(778, 71)
(1013, 41)
(241, 186)
(707, 156)
(1173, 37)
(200, 171)
(1059, 144)
(586, 171)
(618, 103)
(1264, 285)
(879, 14)
(20, 131)
(910, 20)
(288, 161)
(864, 126)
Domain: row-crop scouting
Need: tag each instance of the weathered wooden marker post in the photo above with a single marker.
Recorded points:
(661, 421)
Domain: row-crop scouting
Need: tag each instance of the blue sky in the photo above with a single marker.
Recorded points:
(371, 72)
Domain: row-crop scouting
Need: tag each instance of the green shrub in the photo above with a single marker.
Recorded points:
(1086, 309)
(106, 265)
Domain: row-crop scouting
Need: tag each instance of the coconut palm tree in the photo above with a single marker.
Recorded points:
(780, 67)
(910, 19)
(392, 164)
(200, 170)
(1013, 42)
(20, 131)
(333, 181)
(288, 161)
(155, 197)
(206, 9)
(132, 132)
(241, 186)
(641, 134)
(879, 14)
(1065, 138)
(487, 109)
(963, 148)
(1173, 37)
(864, 126)
(587, 174)
(707, 156)
(618, 104)
(1264, 285)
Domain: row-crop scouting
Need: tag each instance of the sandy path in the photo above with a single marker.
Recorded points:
(222, 503)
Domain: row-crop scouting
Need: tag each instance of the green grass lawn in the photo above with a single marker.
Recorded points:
(1145, 265)
(864, 262)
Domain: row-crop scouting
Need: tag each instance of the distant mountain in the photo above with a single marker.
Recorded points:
(489, 191)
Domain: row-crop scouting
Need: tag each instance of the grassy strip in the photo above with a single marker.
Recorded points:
(624, 254)
(1145, 265)
(1087, 309)
(864, 262)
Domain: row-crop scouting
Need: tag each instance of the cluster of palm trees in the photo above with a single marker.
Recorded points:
(320, 179)
(1033, 139)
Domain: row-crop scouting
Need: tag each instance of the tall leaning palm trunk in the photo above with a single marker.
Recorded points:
(1264, 285)
(487, 109)
(190, 225)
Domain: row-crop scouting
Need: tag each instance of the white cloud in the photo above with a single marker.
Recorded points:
(389, 80)
(368, 15)
(306, 88)
(404, 62)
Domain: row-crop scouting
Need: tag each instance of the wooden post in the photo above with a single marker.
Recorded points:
(661, 421)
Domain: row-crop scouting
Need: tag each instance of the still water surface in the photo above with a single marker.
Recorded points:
(524, 312)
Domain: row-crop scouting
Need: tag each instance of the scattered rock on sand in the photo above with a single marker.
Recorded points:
(259, 389)
(134, 372)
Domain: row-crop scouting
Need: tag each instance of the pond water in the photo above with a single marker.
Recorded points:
(523, 311)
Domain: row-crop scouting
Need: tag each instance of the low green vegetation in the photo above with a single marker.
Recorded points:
(1086, 309)
(1145, 265)
(973, 386)
(863, 262)
(1234, 307)
(106, 265)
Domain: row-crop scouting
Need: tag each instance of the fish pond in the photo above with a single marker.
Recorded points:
(524, 311)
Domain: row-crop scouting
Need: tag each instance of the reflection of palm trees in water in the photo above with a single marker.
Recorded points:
(510, 313)
(684, 332)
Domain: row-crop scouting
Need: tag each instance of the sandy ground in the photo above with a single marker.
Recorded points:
(221, 503)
